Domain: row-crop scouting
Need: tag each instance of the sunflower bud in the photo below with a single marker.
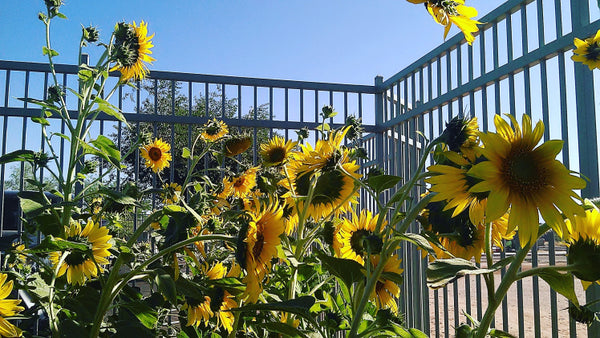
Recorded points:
(89, 167)
(355, 131)
(302, 134)
(90, 34)
(40, 159)
(55, 93)
(464, 331)
(584, 254)
(53, 6)
(236, 145)
(327, 112)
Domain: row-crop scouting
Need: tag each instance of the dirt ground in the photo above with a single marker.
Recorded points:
(534, 316)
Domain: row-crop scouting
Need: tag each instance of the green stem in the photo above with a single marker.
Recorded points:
(113, 287)
(489, 281)
(495, 301)
(537, 270)
(51, 314)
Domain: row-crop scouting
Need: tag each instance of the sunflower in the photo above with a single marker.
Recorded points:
(131, 49)
(213, 130)
(386, 290)
(8, 308)
(526, 178)
(461, 135)
(236, 145)
(78, 266)
(448, 12)
(588, 51)
(157, 155)
(329, 165)
(458, 235)
(276, 151)
(240, 186)
(218, 303)
(452, 184)
(584, 246)
(353, 235)
(171, 193)
(260, 242)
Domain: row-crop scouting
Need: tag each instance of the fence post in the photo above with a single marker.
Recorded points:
(379, 121)
(586, 129)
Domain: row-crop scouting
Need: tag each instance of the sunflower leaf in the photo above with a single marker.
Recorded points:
(299, 306)
(559, 282)
(443, 271)
(109, 109)
(418, 240)
(18, 156)
(108, 147)
(146, 315)
(52, 244)
(349, 271)
(381, 183)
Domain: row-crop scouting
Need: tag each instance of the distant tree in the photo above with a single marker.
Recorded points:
(173, 102)
(13, 181)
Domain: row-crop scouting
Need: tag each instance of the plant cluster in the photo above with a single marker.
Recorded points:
(282, 246)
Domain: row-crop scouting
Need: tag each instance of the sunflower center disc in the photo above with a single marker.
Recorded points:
(155, 154)
(524, 174)
(239, 182)
(276, 155)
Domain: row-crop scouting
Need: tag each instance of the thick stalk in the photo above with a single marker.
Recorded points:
(489, 258)
(51, 314)
(112, 287)
(493, 303)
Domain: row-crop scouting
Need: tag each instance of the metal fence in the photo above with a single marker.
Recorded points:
(519, 64)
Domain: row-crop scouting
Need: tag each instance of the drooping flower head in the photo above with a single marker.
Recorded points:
(461, 136)
(213, 130)
(8, 308)
(584, 246)
(236, 145)
(276, 151)
(131, 49)
(386, 291)
(171, 193)
(588, 51)
(260, 246)
(77, 265)
(448, 12)
(458, 235)
(355, 234)
(157, 155)
(333, 173)
(526, 178)
(218, 302)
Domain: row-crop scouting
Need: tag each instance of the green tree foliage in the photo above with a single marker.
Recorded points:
(166, 98)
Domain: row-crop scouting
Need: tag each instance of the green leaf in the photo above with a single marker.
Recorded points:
(300, 305)
(559, 282)
(147, 315)
(18, 156)
(51, 244)
(63, 136)
(417, 240)
(394, 277)
(381, 183)
(185, 153)
(40, 120)
(61, 15)
(109, 109)
(85, 74)
(51, 52)
(349, 271)
(443, 271)
(324, 127)
(282, 328)
(49, 224)
(107, 146)
(166, 286)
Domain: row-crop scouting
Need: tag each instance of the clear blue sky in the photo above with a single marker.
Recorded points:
(346, 41)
